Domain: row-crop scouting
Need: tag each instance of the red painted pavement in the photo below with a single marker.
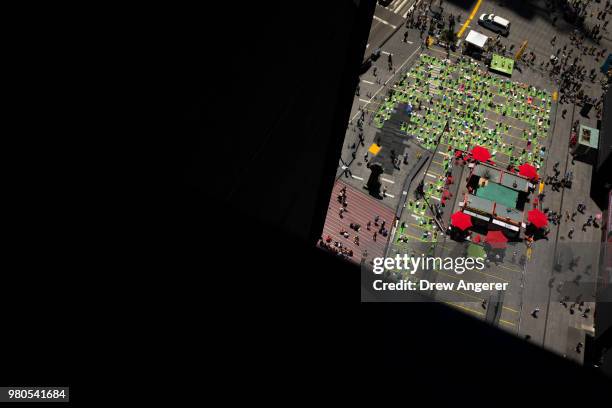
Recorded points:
(361, 209)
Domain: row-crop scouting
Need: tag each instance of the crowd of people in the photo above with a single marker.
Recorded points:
(376, 226)
(462, 106)
(568, 66)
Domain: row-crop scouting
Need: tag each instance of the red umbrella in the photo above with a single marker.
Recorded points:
(458, 153)
(537, 218)
(461, 220)
(496, 239)
(446, 194)
(528, 171)
(481, 154)
(476, 239)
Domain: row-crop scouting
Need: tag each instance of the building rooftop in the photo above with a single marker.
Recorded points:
(479, 203)
(491, 172)
(501, 211)
(514, 182)
(499, 194)
(589, 137)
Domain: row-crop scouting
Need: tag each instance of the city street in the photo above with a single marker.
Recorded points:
(536, 306)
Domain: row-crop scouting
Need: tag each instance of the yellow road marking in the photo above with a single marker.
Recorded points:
(493, 276)
(513, 270)
(419, 227)
(507, 322)
(469, 20)
(466, 308)
(467, 294)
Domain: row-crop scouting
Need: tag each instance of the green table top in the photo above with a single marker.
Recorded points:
(502, 64)
(498, 193)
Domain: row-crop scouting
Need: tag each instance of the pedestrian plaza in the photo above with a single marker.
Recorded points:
(511, 119)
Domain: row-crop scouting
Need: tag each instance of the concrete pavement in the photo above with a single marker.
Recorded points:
(539, 281)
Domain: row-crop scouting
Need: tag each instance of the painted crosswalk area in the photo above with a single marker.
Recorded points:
(356, 224)
(400, 7)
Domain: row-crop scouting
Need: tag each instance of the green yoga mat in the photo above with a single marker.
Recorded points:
(476, 251)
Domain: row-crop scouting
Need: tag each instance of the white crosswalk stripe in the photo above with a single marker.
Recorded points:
(400, 7)
(393, 4)
(384, 21)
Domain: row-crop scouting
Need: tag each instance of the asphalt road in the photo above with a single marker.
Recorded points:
(537, 282)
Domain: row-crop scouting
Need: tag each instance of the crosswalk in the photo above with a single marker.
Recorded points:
(400, 7)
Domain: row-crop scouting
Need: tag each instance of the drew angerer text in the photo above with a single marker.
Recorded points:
(427, 285)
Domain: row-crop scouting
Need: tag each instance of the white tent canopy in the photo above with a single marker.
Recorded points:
(477, 39)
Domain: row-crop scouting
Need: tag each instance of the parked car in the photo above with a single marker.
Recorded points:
(495, 23)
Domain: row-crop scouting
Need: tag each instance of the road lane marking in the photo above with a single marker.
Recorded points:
(493, 276)
(356, 177)
(364, 100)
(467, 294)
(513, 270)
(411, 8)
(384, 21)
(367, 82)
(507, 322)
(388, 195)
(398, 8)
(376, 93)
(469, 20)
(466, 308)
(388, 181)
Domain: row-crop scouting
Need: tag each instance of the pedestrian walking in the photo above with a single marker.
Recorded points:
(406, 36)
(534, 313)
(579, 347)
(570, 233)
